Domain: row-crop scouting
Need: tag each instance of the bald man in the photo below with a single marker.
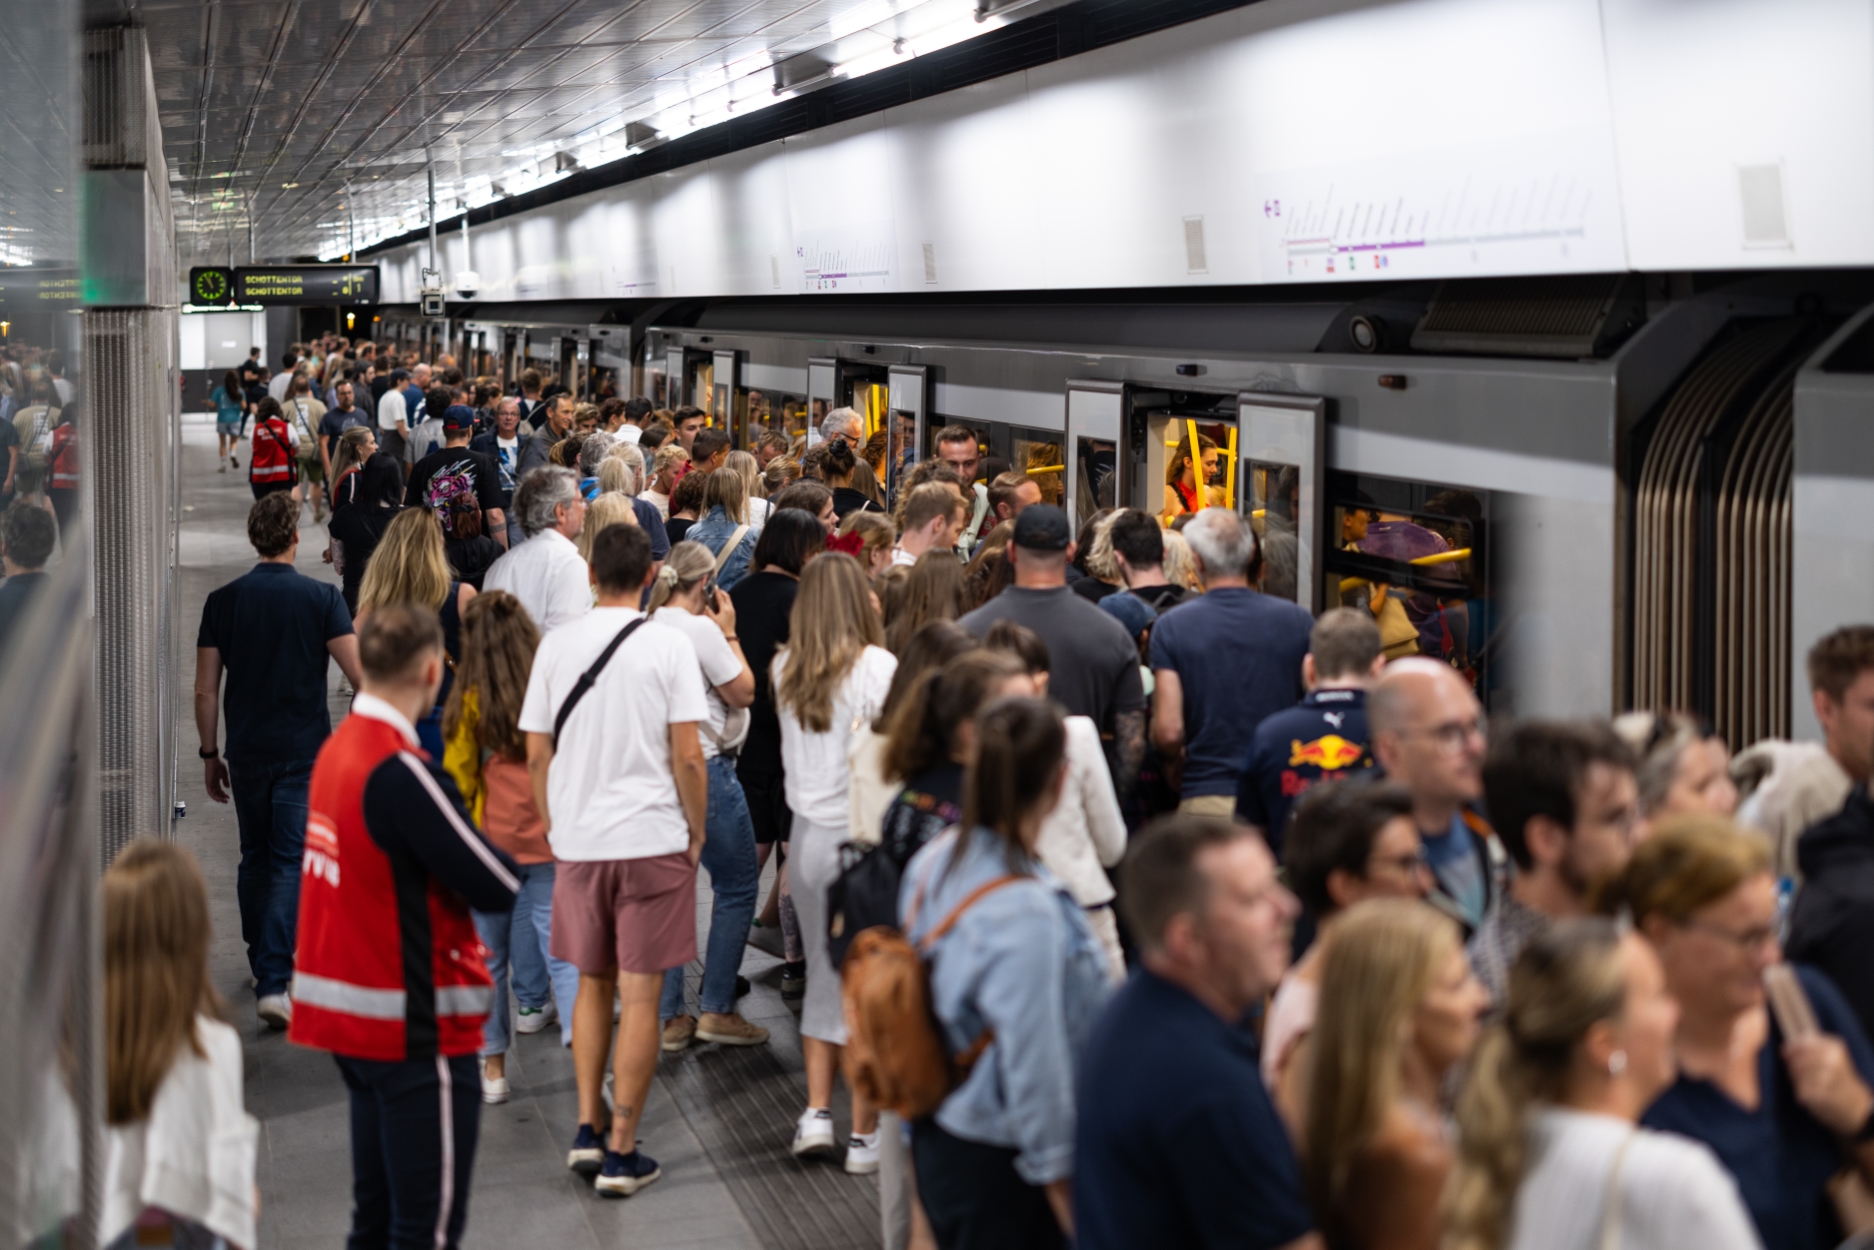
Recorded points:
(1428, 734)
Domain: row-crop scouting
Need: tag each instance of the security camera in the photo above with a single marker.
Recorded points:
(467, 282)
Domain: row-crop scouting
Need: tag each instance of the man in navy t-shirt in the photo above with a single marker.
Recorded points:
(271, 632)
(1223, 663)
(1177, 1143)
(1322, 738)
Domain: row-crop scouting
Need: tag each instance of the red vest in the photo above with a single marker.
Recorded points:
(272, 459)
(63, 455)
(351, 991)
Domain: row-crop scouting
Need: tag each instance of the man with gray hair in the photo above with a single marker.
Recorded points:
(546, 572)
(846, 425)
(1222, 663)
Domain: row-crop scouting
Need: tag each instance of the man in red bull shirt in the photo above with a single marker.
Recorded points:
(1322, 738)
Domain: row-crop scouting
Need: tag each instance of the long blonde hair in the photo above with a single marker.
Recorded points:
(350, 454)
(607, 509)
(155, 971)
(687, 564)
(1377, 964)
(744, 466)
(831, 624)
(410, 565)
(1569, 977)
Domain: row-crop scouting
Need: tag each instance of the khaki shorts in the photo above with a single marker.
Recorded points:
(628, 915)
(1223, 805)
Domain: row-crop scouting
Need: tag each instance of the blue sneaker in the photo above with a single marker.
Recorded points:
(588, 1153)
(624, 1175)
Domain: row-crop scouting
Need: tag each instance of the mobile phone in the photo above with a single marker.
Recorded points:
(709, 593)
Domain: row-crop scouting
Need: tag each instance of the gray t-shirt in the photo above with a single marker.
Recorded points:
(1093, 667)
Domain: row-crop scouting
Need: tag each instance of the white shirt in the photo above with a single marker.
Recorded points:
(278, 386)
(816, 763)
(66, 391)
(900, 556)
(726, 728)
(758, 512)
(391, 410)
(1673, 1193)
(1085, 829)
(660, 502)
(628, 433)
(546, 574)
(610, 790)
(194, 1156)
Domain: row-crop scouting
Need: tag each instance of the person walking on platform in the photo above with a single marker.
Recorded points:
(545, 572)
(230, 404)
(271, 632)
(391, 979)
(274, 464)
(393, 417)
(618, 771)
(1222, 664)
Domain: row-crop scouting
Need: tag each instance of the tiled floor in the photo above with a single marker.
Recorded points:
(717, 1120)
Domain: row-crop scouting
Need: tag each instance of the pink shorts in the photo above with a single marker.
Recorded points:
(628, 915)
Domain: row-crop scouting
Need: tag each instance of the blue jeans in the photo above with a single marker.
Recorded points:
(517, 947)
(729, 858)
(270, 807)
(410, 1122)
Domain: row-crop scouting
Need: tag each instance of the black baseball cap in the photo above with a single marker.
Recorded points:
(1042, 527)
(399, 375)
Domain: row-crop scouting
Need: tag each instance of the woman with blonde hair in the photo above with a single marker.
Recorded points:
(1179, 568)
(608, 509)
(1550, 1156)
(355, 446)
(724, 526)
(1784, 1100)
(934, 590)
(754, 490)
(411, 565)
(830, 680)
(486, 755)
(877, 536)
(1398, 1009)
(180, 1147)
(682, 598)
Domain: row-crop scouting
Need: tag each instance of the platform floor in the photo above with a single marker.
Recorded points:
(718, 1119)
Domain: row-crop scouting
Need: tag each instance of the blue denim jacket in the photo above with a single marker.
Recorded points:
(713, 531)
(1023, 962)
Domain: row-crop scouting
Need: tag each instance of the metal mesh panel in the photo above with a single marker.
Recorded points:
(131, 389)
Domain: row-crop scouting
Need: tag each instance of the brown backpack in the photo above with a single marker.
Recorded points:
(894, 1052)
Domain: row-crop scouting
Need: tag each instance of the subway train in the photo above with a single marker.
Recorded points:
(1588, 492)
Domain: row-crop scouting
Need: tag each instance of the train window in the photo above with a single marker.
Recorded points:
(1416, 556)
(1272, 495)
(1211, 484)
(1096, 484)
(1042, 456)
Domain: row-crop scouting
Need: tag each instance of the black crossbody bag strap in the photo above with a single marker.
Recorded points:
(591, 676)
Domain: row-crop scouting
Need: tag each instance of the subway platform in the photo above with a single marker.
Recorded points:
(719, 1119)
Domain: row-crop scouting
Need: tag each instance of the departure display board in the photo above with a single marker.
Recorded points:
(306, 284)
(25, 287)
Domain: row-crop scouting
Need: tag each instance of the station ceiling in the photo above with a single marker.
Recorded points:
(318, 121)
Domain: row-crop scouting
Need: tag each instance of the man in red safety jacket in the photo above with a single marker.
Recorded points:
(273, 465)
(390, 975)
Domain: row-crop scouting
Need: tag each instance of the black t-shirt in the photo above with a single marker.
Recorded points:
(271, 627)
(9, 440)
(470, 557)
(360, 529)
(250, 370)
(1161, 598)
(676, 527)
(847, 500)
(1092, 589)
(479, 468)
(763, 602)
(1093, 664)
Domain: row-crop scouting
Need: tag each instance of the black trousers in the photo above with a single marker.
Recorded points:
(413, 1131)
(974, 1197)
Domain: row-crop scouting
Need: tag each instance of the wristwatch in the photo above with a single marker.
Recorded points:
(208, 753)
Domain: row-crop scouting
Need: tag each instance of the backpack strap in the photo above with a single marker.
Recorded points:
(956, 913)
(588, 678)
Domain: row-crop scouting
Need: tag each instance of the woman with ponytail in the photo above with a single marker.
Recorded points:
(829, 682)
(1550, 1155)
(1016, 979)
(1398, 1009)
(683, 597)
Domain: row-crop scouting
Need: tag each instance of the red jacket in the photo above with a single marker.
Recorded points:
(389, 966)
(62, 457)
(272, 459)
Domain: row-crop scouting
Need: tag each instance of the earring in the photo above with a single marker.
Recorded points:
(1617, 1063)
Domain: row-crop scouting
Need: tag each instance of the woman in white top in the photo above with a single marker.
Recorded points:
(830, 683)
(743, 465)
(1551, 1155)
(682, 598)
(1085, 834)
(180, 1150)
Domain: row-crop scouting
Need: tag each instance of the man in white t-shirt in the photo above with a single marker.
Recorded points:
(621, 783)
(393, 417)
(546, 573)
(729, 850)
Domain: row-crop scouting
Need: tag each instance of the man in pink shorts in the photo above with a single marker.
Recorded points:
(610, 716)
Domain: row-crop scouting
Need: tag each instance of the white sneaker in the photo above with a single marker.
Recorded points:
(275, 1011)
(534, 1019)
(813, 1135)
(862, 1153)
(766, 939)
(495, 1088)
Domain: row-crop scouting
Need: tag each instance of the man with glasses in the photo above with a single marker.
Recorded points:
(846, 426)
(1565, 804)
(1428, 734)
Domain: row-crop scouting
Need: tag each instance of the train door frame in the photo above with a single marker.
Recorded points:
(674, 376)
(822, 385)
(1096, 410)
(908, 395)
(1289, 431)
(724, 380)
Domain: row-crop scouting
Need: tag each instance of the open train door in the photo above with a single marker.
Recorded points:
(909, 407)
(1281, 459)
(1096, 413)
(674, 377)
(723, 383)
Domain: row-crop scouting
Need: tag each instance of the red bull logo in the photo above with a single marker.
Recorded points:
(1329, 754)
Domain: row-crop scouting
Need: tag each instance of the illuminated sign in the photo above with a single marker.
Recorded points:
(210, 286)
(306, 284)
(23, 287)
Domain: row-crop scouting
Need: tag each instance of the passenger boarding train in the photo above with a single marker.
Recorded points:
(1587, 492)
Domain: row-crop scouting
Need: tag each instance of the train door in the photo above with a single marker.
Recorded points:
(728, 406)
(1096, 418)
(908, 402)
(1282, 453)
(674, 377)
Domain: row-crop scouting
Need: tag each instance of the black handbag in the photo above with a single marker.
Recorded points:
(865, 894)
